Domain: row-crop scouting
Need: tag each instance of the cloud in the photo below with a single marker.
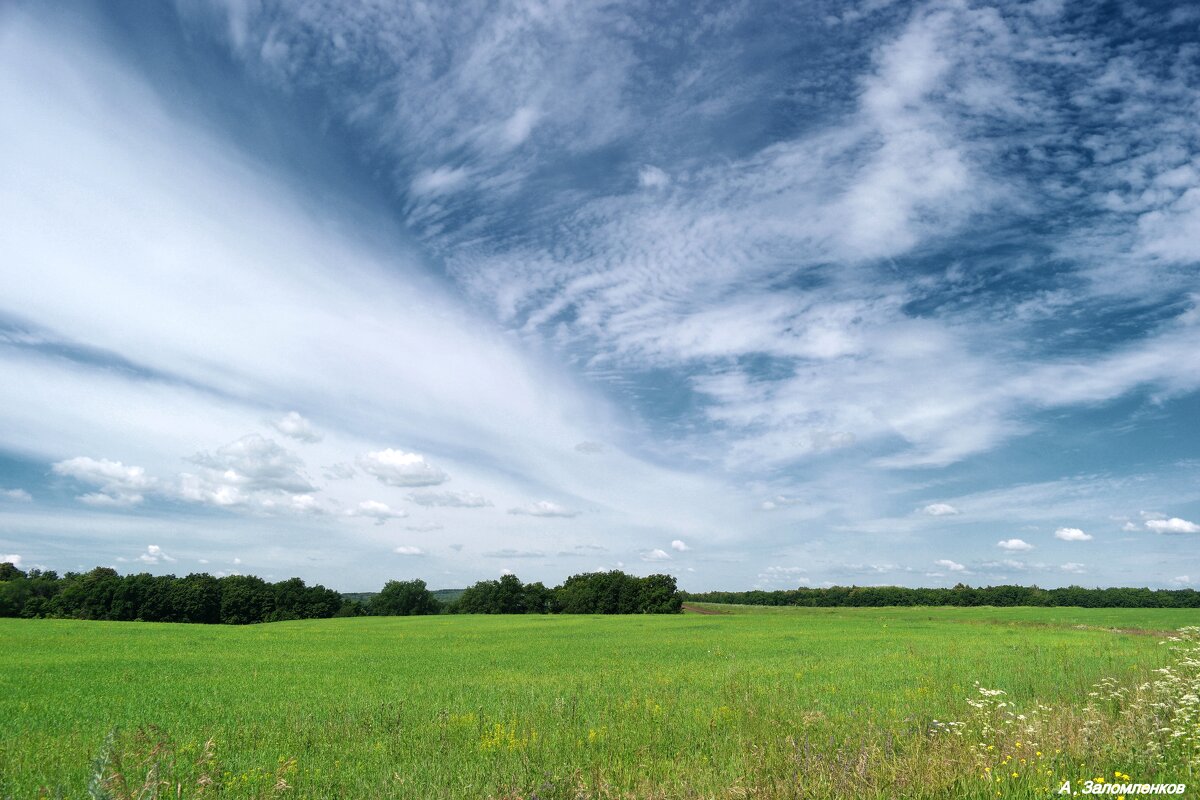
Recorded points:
(1072, 535)
(380, 512)
(408, 550)
(511, 553)
(449, 499)
(953, 566)
(1014, 545)
(296, 427)
(678, 544)
(1074, 567)
(656, 555)
(251, 472)
(439, 181)
(1172, 525)
(652, 177)
(589, 447)
(398, 468)
(339, 472)
(154, 554)
(119, 485)
(11, 558)
(939, 510)
(1181, 580)
(16, 495)
(544, 508)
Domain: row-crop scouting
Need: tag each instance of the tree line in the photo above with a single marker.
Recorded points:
(104, 594)
(959, 595)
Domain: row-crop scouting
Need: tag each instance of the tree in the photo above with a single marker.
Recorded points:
(404, 599)
(659, 595)
(9, 571)
(245, 599)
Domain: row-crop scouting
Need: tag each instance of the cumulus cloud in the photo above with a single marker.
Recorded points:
(408, 550)
(398, 468)
(1172, 525)
(119, 485)
(1074, 567)
(11, 558)
(374, 509)
(1181, 580)
(1072, 535)
(544, 508)
(679, 545)
(296, 427)
(946, 563)
(939, 510)
(154, 554)
(1014, 545)
(253, 471)
(656, 555)
(449, 499)
(16, 495)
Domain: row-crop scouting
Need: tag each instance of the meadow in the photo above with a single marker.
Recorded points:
(749, 702)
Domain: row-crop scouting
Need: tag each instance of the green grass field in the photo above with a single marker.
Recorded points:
(750, 703)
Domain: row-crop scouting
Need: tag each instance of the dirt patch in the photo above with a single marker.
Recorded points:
(688, 608)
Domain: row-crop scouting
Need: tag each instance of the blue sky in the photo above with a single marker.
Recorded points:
(756, 294)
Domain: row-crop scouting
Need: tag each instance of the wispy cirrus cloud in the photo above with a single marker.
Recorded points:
(841, 288)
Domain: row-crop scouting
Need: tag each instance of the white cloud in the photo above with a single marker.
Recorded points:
(449, 499)
(119, 485)
(1181, 580)
(439, 181)
(953, 566)
(518, 127)
(679, 545)
(1072, 535)
(1172, 525)
(18, 495)
(544, 508)
(11, 558)
(1014, 545)
(380, 512)
(408, 550)
(1074, 567)
(253, 472)
(656, 555)
(297, 427)
(398, 468)
(154, 554)
(652, 177)
(939, 510)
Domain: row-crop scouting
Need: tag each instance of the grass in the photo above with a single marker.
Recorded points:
(767, 703)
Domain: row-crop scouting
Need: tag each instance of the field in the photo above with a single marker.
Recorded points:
(767, 703)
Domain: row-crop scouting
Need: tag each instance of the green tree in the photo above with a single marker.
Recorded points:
(404, 599)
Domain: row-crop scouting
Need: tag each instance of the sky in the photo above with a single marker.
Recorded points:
(759, 295)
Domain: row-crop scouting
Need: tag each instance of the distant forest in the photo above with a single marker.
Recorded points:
(960, 595)
(104, 594)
